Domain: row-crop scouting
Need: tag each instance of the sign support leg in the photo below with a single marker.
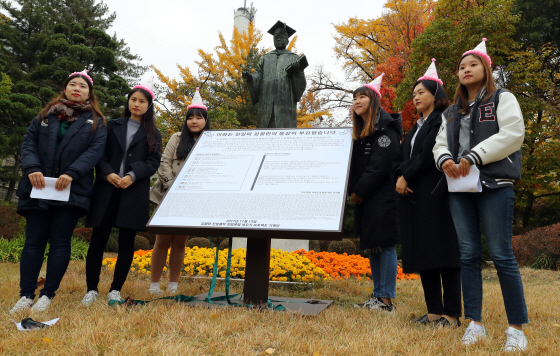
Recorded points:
(257, 271)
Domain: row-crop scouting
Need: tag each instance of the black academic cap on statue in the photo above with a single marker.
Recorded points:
(279, 24)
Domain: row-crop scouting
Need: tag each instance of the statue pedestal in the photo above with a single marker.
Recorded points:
(279, 244)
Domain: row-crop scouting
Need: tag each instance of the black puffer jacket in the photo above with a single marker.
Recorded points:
(376, 219)
(77, 155)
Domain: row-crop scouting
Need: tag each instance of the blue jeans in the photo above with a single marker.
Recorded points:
(384, 272)
(54, 226)
(493, 209)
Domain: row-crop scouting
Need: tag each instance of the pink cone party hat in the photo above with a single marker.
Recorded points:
(148, 86)
(197, 102)
(481, 51)
(431, 73)
(376, 84)
(84, 73)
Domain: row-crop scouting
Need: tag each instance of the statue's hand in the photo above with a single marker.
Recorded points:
(246, 75)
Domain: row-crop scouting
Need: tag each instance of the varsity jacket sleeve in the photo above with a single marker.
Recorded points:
(165, 171)
(508, 140)
(441, 150)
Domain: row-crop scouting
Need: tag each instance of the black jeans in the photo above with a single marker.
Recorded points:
(99, 238)
(54, 226)
(432, 282)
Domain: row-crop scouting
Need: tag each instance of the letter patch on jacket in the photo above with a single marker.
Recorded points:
(384, 141)
(487, 112)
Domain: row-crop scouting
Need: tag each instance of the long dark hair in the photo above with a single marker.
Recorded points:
(360, 128)
(462, 94)
(187, 139)
(441, 101)
(92, 101)
(147, 118)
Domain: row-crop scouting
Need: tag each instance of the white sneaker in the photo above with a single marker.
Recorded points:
(155, 290)
(90, 297)
(114, 295)
(473, 334)
(42, 304)
(22, 304)
(372, 303)
(516, 340)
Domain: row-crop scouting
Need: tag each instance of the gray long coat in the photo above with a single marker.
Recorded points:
(276, 92)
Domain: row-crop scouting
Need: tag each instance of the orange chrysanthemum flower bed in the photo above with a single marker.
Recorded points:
(342, 266)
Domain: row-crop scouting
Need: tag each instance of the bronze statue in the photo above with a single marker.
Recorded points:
(278, 82)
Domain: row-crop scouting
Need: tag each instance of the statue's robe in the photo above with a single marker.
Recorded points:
(277, 92)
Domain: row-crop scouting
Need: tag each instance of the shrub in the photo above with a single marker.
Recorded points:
(141, 243)
(112, 245)
(314, 245)
(10, 250)
(224, 244)
(539, 248)
(198, 241)
(12, 224)
(84, 233)
(344, 246)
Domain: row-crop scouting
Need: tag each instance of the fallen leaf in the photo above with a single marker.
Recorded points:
(214, 316)
(41, 281)
(369, 289)
(318, 353)
(268, 351)
(556, 325)
(46, 339)
(129, 301)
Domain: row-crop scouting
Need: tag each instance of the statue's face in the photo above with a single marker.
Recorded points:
(280, 38)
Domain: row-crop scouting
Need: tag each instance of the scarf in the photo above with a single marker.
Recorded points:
(69, 111)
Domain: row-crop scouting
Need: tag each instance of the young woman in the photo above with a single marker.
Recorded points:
(172, 160)
(121, 191)
(65, 141)
(429, 243)
(377, 136)
(484, 128)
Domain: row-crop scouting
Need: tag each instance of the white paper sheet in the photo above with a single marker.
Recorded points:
(49, 192)
(50, 323)
(468, 184)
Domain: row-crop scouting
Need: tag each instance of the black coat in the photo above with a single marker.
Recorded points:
(376, 218)
(134, 209)
(428, 235)
(77, 155)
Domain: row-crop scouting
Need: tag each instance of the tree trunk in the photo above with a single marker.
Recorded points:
(528, 209)
(13, 181)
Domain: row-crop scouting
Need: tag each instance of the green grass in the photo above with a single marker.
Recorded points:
(10, 250)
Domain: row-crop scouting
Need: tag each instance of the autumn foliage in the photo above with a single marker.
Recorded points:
(369, 47)
(539, 248)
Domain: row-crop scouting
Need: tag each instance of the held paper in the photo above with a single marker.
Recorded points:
(468, 184)
(49, 192)
(291, 179)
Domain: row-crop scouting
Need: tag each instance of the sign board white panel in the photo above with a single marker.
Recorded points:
(242, 181)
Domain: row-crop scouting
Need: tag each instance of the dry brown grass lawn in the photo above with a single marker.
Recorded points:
(163, 328)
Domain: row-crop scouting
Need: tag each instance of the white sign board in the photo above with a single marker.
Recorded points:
(287, 181)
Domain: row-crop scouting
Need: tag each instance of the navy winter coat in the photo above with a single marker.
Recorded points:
(77, 155)
(376, 218)
(134, 207)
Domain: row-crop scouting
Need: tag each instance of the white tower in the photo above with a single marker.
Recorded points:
(243, 16)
